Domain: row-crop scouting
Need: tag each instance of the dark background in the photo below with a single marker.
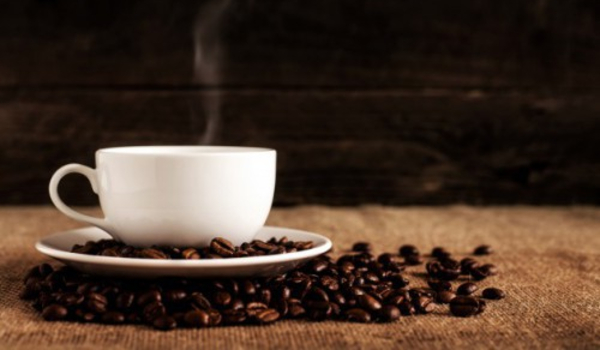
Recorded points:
(372, 101)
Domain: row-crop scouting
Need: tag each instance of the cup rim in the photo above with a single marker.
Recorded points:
(184, 150)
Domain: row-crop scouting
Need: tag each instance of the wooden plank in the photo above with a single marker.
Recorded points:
(336, 147)
(300, 43)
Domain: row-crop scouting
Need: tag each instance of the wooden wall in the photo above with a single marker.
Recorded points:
(379, 101)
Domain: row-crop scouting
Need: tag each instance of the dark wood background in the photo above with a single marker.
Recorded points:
(378, 101)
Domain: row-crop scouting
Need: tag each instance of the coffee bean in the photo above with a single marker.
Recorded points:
(423, 304)
(445, 296)
(222, 247)
(164, 323)
(190, 254)
(389, 313)
(153, 310)
(267, 316)
(358, 315)
(439, 285)
(232, 316)
(489, 269)
(199, 301)
(407, 308)
(493, 293)
(96, 302)
(296, 310)
(483, 250)
(464, 306)
(408, 250)
(215, 317)
(369, 302)
(151, 253)
(174, 295)
(124, 300)
(197, 318)
(440, 253)
(113, 317)
(149, 297)
(478, 273)
(362, 247)
(482, 306)
(84, 316)
(467, 264)
(413, 260)
(54, 312)
(467, 288)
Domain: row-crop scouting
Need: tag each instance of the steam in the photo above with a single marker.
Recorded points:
(208, 55)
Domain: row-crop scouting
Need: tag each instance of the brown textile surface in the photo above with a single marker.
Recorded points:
(549, 260)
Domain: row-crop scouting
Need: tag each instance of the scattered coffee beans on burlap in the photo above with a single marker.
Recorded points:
(356, 287)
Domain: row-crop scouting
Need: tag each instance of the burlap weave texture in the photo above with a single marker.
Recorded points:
(549, 260)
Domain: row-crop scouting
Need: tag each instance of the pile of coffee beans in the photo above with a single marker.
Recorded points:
(219, 248)
(356, 287)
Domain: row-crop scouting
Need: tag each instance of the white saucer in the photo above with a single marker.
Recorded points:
(58, 246)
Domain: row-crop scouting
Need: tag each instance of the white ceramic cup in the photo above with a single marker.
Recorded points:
(177, 195)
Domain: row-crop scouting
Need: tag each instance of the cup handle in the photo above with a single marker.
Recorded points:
(60, 205)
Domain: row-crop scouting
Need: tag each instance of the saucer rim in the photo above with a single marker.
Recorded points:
(43, 247)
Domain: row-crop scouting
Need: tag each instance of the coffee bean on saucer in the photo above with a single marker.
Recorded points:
(190, 254)
(361, 247)
(151, 253)
(467, 288)
(493, 293)
(222, 247)
(483, 250)
(464, 306)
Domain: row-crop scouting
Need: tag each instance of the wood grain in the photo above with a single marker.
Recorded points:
(305, 43)
(393, 147)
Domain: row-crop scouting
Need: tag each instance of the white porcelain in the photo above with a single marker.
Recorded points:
(177, 195)
(58, 246)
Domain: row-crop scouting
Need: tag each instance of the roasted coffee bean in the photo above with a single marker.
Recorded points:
(113, 317)
(482, 306)
(489, 269)
(483, 250)
(84, 316)
(493, 293)
(439, 285)
(149, 297)
(408, 250)
(33, 287)
(467, 264)
(464, 306)
(369, 302)
(358, 315)
(222, 298)
(267, 316)
(467, 288)
(190, 254)
(222, 247)
(54, 312)
(164, 323)
(362, 247)
(479, 273)
(389, 313)
(296, 310)
(215, 317)
(386, 258)
(124, 300)
(96, 302)
(445, 296)
(153, 310)
(413, 260)
(197, 318)
(237, 304)
(199, 301)
(423, 304)
(151, 253)
(440, 253)
(407, 308)
(174, 295)
(232, 316)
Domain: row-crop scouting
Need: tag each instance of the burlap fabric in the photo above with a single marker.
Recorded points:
(549, 260)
